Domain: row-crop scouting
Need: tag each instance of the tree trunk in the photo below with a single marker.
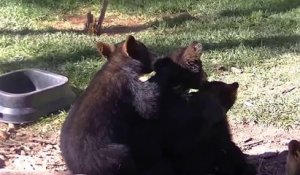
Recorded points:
(101, 17)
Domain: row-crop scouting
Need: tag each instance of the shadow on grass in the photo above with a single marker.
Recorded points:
(37, 32)
(50, 61)
(62, 5)
(112, 30)
(170, 21)
(77, 91)
(276, 7)
(272, 42)
(120, 29)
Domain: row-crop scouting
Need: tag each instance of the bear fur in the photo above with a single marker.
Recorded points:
(196, 133)
(184, 70)
(196, 137)
(185, 66)
(97, 133)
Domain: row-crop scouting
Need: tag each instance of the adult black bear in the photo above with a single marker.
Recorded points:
(96, 135)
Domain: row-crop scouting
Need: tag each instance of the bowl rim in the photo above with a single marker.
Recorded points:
(64, 79)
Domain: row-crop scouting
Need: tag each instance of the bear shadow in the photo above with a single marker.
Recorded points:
(269, 162)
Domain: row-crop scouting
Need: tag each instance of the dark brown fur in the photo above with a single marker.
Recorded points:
(97, 133)
(186, 67)
(197, 135)
(293, 158)
(224, 93)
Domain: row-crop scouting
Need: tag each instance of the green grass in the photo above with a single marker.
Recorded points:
(268, 93)
(261, 37)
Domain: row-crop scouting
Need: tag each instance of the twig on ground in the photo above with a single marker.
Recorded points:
(252, 144)
(288, 90)
(43, 141)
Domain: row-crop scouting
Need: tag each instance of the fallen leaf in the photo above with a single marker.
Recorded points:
(3, 135)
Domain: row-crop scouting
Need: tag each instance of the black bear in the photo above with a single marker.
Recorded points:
(293, 158)
(186, 67)
(96, 135)
(196, 135)
(225, 94)
(196, 132)
(183, 68)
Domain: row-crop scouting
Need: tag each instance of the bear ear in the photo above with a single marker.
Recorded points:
(294, 146)
(191, 56)
(130, 45)
(234, 86)
(105, 49)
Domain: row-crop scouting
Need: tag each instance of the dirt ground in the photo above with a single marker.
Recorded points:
(266, 147)
(24, 151)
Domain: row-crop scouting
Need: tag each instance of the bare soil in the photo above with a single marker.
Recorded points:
(266, 147)
(113, 24)
(25, 152)
(116, 23)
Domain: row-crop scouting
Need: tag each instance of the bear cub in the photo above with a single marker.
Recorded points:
(185, 67)
(293, 158)
(194, 128)
(97, 131)
(197, 136)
